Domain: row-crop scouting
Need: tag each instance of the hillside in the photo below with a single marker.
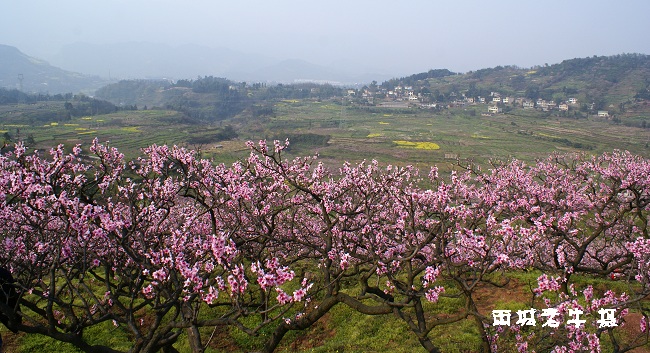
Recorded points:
(618, 84)
(39, 76)
(605, 81)
(208, 99)
(489, 113)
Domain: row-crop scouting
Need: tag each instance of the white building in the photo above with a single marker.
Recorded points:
(494, 109)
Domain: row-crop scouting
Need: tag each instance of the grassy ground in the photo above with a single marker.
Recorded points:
(343, 330)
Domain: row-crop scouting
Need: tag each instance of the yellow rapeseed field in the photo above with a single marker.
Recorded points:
(131, 129)
(420, 145)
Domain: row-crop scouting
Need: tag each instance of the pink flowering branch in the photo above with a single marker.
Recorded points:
(167, 236)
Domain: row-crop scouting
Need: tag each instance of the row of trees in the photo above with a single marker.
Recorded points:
(14, 96)
(171, 243)
(416, 79)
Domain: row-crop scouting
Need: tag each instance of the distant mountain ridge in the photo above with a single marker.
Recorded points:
(141, 60)
(604, 80)
(20, 71)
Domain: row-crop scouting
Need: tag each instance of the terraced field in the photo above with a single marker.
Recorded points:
(355, 133)
(128, 131)
(358, 134)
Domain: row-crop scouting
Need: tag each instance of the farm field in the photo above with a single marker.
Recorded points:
(129, 131)
(392, 136)
(374, 133)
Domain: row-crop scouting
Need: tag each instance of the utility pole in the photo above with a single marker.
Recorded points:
(342, 116)
(20, 79)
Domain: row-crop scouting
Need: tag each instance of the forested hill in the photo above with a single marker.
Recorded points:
(615, 78)
(415, 78)
(603, 80)
(23, 108)
(20, 71)
(595, 82)
(209, 99)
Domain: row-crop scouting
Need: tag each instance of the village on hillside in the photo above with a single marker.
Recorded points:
(408, 97)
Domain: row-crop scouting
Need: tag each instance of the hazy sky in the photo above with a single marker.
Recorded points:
(399, 37)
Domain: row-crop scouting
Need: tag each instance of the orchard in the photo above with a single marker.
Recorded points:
(170, 244)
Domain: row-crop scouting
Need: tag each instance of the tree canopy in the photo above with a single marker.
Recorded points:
(170, 243)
